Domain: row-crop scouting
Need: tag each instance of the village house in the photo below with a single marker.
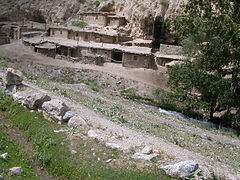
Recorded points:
(85, 34)
(115, 20)
(96, 18)
(47, 49)
(138, 57)
(132, 57)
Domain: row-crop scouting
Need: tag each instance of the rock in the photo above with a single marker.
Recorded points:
(68, 115)
(107, 6)
(4, 156)
(12, 77)
(31, 99)
(73, 152)
(92, 134)
(16, 170)
(1, 177)
(55, 109)
(230, 177)
(113, 146)
(144, 157)
(109, 160)
(146, 150)
(182, 169)
(77, 122)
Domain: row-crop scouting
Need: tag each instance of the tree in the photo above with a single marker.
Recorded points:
(209, 31)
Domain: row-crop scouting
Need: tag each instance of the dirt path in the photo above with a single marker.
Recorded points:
(128, 138)
(152, 77)
(17, 136)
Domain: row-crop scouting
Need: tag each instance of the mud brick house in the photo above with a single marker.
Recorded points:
(115, 20)
(96, 18)
(84, 34)
(138, 57)
(47, 49)
(59, 31)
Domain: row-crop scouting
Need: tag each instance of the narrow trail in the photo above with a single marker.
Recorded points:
(17, 136)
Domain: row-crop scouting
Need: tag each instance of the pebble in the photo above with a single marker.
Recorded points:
(4, 156)
(113, 145)
(73, 152)
(146, 150)
(109, 160)
(92, 134)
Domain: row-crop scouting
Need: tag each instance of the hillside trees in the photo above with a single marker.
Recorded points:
(210, 81)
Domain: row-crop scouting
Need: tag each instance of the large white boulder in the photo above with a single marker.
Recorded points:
(31, 99)
(55, 109)
(12, 77)
(16, 170)
(182, 169)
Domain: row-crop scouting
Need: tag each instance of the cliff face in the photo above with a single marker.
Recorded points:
(140, 14)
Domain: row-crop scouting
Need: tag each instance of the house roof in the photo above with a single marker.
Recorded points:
(46, 45)
(104, 31)
(35, 40)
(98, 13)
(106, 46)
(116, 17)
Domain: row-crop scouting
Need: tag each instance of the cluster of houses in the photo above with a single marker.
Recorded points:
(100, 40)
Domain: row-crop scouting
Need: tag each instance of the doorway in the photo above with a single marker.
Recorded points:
(117, 56)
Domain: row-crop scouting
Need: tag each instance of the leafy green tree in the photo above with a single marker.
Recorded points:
(209, 81)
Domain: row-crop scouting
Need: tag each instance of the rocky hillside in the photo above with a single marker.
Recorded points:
(141, 14)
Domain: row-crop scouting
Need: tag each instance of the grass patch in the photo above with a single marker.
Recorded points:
(80, 24)
(53, 150)
(17, 157)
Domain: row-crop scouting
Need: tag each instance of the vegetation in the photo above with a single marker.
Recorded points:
(80, 24)
(54, 150)
(209, 32)
(17, 157)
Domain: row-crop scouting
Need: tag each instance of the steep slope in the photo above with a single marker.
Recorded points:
(140, 14)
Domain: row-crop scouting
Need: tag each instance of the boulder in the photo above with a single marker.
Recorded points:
(16, 170)
(113, 146)
(31, 99)
(182, 169)
(77, 122)
(12, 77)
(146, 150)
(107, 6)
(92, 134)
(144, 157)
(55, 109)
(68, 115)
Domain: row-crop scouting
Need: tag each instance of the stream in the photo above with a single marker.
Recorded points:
(201, 121)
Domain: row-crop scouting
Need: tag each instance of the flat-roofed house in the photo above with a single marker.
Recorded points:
(96, 18)
(47, 49)
(58, 31)
(115, 20)
(138, 57)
